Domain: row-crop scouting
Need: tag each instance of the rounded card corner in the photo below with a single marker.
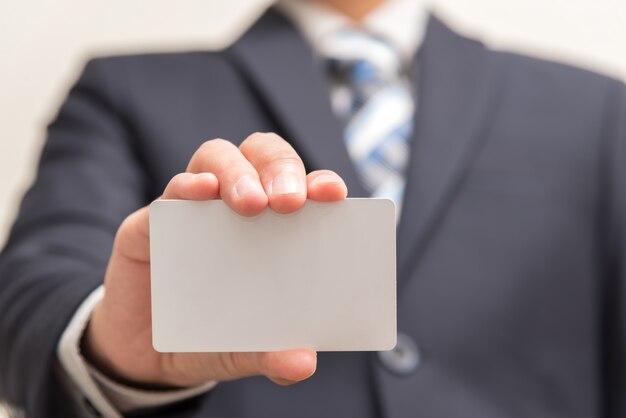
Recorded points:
(390, 203)
(391, 344)
(157, 347)
(154, 204)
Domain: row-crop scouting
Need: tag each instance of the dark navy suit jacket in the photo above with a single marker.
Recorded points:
(511, 246)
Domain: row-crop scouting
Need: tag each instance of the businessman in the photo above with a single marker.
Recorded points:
(510, 176)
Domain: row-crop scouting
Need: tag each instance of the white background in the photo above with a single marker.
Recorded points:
(44, 43)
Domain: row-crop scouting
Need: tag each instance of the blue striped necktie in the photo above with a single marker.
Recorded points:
(372, 95)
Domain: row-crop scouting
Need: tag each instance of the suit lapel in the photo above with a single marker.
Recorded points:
(282, 68)
(456, 90)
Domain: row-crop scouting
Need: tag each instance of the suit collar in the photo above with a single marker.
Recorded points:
(456, 90)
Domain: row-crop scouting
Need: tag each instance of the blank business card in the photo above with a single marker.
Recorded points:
(322, 278)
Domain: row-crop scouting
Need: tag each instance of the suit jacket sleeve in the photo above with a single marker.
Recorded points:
(89, 179)
(614, 355)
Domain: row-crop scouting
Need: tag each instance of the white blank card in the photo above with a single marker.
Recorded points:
(322, 278)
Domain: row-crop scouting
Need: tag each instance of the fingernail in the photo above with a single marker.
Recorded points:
(286, 183)
(325, 179)
(247, 184)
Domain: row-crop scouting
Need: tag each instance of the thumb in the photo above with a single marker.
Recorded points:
(282, 367)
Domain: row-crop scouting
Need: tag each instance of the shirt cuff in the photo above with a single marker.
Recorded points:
(108, 397)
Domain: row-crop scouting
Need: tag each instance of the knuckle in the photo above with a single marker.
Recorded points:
(272, 136)
(174, 183)
(259, 139)
(176, 179)
(127, 228)
(250, 141)
(326, 172)
(211, 144)
(127, 225)
(206, 150)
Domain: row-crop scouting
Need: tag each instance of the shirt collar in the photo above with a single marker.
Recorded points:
(401, 22)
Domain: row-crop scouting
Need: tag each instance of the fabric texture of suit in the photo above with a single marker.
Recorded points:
(511, 245)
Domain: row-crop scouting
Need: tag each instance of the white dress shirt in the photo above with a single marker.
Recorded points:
(403, 24)
(400, 22)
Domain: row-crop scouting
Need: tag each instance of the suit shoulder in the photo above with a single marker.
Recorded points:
(554, 79)
(546, 79)
(149, 62)
(135, 79)
(142, 61)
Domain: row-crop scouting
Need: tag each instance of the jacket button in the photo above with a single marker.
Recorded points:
(403, 359)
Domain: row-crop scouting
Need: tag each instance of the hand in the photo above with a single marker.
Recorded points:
(264, 170)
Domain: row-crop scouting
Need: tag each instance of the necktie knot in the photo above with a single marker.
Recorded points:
(362, 62)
